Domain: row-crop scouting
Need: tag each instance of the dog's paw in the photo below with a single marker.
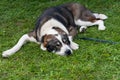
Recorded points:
(6, 53)
(82, 29)
(74, 46)
(101, 28)
(102, 16)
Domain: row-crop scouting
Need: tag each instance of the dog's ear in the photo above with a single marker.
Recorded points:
(42, 39)
(46, 38)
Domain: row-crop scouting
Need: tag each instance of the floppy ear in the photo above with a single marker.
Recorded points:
(45, 39)
(42, 39)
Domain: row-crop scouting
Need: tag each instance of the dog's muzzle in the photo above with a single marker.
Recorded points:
(68, 52)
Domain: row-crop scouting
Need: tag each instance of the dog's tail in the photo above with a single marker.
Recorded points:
(100, 16)
(25, 38)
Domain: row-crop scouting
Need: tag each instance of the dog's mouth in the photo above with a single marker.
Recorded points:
(64, 52)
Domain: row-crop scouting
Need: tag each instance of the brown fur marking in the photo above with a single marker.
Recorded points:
(47, 38)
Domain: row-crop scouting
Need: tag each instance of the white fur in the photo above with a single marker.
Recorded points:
(82, 27)
(42, 47)
(47, 27)
(100, 24)
(64, 47)
(19, 44)
(52, 31)
(85, 24)
(101, 16)
(73, 45)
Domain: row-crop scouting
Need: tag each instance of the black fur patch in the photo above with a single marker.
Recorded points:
(54, 45)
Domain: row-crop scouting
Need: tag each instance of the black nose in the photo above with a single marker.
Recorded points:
(68, 52)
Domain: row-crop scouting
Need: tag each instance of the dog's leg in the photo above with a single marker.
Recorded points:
(100, 23)
(73, 45)
(19, 44)
(100, 16)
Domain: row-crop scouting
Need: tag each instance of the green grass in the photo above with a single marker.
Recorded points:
(92, 61)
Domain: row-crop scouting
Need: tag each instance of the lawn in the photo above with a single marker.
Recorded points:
(92, 61)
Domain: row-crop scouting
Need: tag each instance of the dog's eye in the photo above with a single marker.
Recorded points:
(66, 41)
(58, 44)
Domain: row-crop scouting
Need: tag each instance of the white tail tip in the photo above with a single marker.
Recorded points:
(6, 54)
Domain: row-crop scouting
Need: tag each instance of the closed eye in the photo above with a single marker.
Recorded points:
(58, 44)
(66, 41)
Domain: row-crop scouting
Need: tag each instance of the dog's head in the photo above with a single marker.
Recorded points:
(57, 43)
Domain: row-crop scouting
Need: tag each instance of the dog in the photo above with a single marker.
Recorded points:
(57, 26)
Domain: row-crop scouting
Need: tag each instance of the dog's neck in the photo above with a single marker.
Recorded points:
(47, 28)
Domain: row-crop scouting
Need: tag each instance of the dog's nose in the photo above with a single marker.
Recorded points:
(68, 52)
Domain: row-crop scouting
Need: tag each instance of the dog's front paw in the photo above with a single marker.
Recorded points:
(101, 28)
(74, 46)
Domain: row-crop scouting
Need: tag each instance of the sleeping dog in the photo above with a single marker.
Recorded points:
(57, 26)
